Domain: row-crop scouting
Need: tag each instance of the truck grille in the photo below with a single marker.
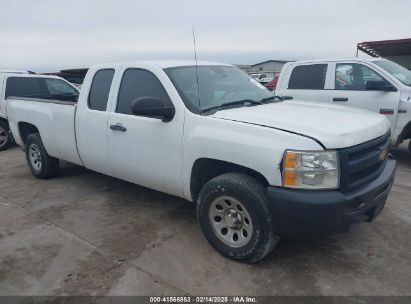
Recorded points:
(362, 163)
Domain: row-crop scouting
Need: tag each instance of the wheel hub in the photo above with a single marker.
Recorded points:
(233, 219)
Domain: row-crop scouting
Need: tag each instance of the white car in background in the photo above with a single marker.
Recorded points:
(262, 78)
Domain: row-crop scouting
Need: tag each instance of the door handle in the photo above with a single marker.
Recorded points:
(340, 99)
(287, 97)
(118, 127)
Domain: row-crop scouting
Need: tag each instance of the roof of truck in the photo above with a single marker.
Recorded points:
(336, 60)
(17, 74)
(165, 63)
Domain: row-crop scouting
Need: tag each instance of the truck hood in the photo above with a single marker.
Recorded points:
(334, 126)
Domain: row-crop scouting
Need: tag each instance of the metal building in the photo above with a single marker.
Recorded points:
(269, 67)
(398, 50)
(72, 75)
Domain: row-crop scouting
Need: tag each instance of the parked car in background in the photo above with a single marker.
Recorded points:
(273, 83)
(373, 84)
(261, 78)
(25, 84)
(257, 168)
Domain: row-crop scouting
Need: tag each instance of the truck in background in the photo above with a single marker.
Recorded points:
(26, 84)
(374, 84)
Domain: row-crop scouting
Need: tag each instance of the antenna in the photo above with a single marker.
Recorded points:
(195, 58)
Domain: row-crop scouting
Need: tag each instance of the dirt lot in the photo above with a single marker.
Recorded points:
(85, 233)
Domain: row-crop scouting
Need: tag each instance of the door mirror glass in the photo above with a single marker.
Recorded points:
(152, 107)
(380, 85)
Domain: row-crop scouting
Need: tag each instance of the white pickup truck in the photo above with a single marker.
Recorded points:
(257, 167)
(373, 84)
(27, 84)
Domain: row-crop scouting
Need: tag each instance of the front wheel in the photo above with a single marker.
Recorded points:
(5, 136)
(233, 213)
(40, 163)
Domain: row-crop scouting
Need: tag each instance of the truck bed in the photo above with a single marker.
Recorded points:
(53, 118)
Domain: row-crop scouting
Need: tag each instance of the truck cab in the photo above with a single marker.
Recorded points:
(373, 84)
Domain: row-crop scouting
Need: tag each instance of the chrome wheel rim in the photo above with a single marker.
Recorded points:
(230, 221)
(35, 157)
(4, 136)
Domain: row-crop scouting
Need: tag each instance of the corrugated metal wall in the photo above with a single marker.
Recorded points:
(405, 61)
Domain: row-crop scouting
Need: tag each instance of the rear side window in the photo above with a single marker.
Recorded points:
(138, 83)
(100, 88)
(25, 87)
(308, 77)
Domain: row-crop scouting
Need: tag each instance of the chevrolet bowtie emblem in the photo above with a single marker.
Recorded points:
(383, 154)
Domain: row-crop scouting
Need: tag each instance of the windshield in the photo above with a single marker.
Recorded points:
(399, 72)
(217, 85)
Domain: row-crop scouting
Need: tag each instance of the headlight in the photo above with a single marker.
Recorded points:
(311, 170)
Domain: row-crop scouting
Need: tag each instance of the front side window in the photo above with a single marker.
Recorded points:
(59, 87)
(308, 77)
(205, 87)
(137, 83)
(100, 89)
(354, 76)
(399, 72)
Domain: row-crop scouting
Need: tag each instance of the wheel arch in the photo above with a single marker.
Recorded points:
(405, 133)
(25, 129)
(2, 119)
(205, 169)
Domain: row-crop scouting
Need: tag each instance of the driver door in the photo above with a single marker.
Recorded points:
(145, 150)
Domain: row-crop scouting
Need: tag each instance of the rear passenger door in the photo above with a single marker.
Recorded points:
(308, 82)
(91, 121)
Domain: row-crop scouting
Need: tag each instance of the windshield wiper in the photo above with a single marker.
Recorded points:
(272, 98)
(232, 103)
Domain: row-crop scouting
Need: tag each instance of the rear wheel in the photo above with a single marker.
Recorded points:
(40, 163)
(5, 137)
(232, 210)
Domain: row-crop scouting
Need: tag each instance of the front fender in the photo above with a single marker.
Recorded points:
(255, 147)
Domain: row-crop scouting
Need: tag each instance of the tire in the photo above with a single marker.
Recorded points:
(40, 163)
(245, 207)
(5, 136)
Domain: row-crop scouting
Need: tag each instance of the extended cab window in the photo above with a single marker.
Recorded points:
(308, 77)
(100, 88)
(138, 83)
(354, 76)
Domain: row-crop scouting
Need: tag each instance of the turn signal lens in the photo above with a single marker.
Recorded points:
(290, 161)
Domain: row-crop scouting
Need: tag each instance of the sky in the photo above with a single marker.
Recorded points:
(47, 35)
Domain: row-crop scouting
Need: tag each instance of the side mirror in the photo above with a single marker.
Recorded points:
(380, 85)
(152, 107)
